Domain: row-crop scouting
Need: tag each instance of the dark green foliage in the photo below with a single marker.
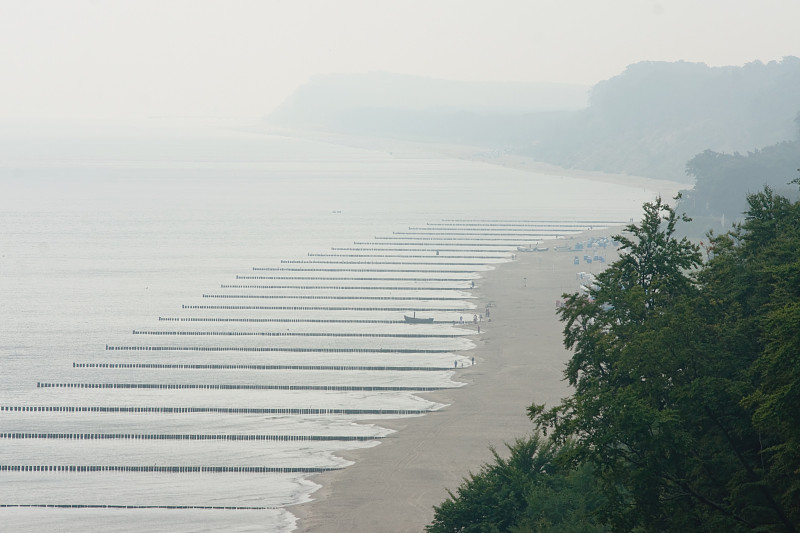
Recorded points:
(635, 341)
(531, 491)
(685, 414)
(766, 250)
(685, 386)
(564, 503)
(723, 181)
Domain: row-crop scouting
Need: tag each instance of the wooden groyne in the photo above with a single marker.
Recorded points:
(303, 334)
(281, 320)
(132, 507)
(183, 436)
(321, 278)
(171, 469)
(439, 244)
(329, 308)
(325, 297)
(269, 349)
(429, 249)
(199, 366)
(408, 256)
(408, 270)
(312, 262)
(344, 287)
(294, 411)
(236, 386)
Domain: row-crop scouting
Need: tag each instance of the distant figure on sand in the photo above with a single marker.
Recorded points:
(455, 364)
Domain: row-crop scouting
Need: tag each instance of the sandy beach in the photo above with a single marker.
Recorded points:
(519, 360)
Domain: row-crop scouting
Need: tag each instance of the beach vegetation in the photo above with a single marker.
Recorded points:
(685, 411)
(533, 490)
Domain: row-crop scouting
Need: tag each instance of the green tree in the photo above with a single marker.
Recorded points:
(722, 181)
(494, 499)
(631, 353)
(756, 271)
(664, 365)
(685, 413)
(566, 502)
(531, 491)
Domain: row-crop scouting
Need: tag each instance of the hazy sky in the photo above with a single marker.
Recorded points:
(241, 58)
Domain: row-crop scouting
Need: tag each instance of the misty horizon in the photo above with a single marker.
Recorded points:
(88, 60)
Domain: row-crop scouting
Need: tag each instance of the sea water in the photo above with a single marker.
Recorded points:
(174, 359)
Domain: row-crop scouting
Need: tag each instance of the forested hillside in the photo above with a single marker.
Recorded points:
(723, 180)
(684, 415)
(427, 110)
(654, 117)
(649, 120)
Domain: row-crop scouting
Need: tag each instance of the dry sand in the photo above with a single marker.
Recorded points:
(519, 359)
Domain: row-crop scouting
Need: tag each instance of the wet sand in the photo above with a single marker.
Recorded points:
(519, 360)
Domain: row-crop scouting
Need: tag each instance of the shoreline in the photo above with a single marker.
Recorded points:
(519, 359)
(401, 148)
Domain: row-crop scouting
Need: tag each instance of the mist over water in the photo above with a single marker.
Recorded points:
(113, 246)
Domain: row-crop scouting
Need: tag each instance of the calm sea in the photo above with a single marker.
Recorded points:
(193, 322)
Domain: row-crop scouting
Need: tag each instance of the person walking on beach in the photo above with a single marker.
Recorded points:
(455, 363)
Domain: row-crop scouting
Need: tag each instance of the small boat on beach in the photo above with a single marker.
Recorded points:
(415, 320)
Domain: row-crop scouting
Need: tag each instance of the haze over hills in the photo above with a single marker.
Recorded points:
(425, 109)
(649, 120)
(328, 95)
(654, 117)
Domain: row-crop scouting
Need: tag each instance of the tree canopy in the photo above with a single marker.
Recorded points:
(685, 413)
(722, 181)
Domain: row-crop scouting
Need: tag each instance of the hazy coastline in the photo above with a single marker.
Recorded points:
(477, 154)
